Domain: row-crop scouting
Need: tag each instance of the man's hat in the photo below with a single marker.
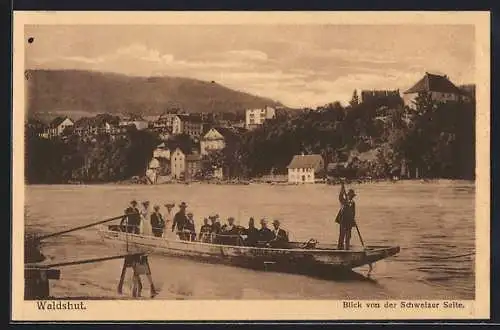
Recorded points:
(156, 207)
(183, 204)
(145, 203)
(133, 202)
(351, 193)
(190, 213)
(230, 219)
(276, 222)
(169, 204)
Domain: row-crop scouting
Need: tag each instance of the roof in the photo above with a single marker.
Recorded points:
(434, 83)
(227, 133)
(306, 161)
(192, 118)
(58, 121)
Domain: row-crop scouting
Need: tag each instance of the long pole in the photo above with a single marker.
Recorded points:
(81, 227)
(359, 234)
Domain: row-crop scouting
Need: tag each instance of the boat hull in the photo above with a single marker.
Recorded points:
(293, 259)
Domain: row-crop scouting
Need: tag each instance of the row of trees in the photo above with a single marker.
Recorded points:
(74, 159)
(434, 140)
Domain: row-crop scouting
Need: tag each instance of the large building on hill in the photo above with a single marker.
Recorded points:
(440, 89)
(304, 168)
(256, 117)
(379, 98)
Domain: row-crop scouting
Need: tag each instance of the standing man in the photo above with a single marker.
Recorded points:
(157, 222)
(346, 217)
(180, 220)
(130, 223)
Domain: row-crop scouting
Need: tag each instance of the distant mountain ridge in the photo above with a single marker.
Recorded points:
(68, 91)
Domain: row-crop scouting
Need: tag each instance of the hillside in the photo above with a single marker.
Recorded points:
(94, 92)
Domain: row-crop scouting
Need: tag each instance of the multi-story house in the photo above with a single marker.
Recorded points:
(439, 88)
(57, 127)
(135, 120)
(256, 117)
(184, 165)
(304, 168)
(217, 138)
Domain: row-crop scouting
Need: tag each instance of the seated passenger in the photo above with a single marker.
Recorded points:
(230, 233)
(216, 228)
(280, 236)
(205, 232)
(265, 234)
(252, 233)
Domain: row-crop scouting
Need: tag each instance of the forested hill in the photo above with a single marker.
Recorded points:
(97, 92)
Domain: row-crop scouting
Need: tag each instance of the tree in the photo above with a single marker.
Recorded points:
(355, 99)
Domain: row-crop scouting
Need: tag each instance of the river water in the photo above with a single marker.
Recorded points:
(430, 221)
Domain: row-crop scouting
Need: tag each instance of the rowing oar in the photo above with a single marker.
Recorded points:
(81, 227)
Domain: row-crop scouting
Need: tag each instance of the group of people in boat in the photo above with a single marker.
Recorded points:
(182, 224)
(155, 223)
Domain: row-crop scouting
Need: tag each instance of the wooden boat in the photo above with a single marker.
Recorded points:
(294, 257)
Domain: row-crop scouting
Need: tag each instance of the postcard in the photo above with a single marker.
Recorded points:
(181, 166)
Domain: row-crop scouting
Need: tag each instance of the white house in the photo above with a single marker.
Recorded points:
(57, 127)
(217, 138)
(137, 121)
(303, 168)
(177, 163)
(440, 89)
(257, 117)
(184, 165)
(177, 125)
(161, 151)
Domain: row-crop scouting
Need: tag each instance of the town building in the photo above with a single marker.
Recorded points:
(305, 168)
(57, 127)
(34, 127)
(134, 120)
(217, 138)
(439, 88)
(190, 124)
(256, 117)
(184, 165)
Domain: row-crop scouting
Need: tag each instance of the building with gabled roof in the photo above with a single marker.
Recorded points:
(217, 138)
(438, 87)
(304, 168)
(57, 127)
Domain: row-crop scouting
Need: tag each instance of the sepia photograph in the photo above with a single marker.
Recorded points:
(200, 158)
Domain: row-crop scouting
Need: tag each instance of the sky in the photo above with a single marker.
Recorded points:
(298, 65)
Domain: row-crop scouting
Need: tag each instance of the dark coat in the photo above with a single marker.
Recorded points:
(180, 220)
(157, 222)
(133, 216)
(265, 235)
(216, 228)
(252, 235)
(281, 236)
